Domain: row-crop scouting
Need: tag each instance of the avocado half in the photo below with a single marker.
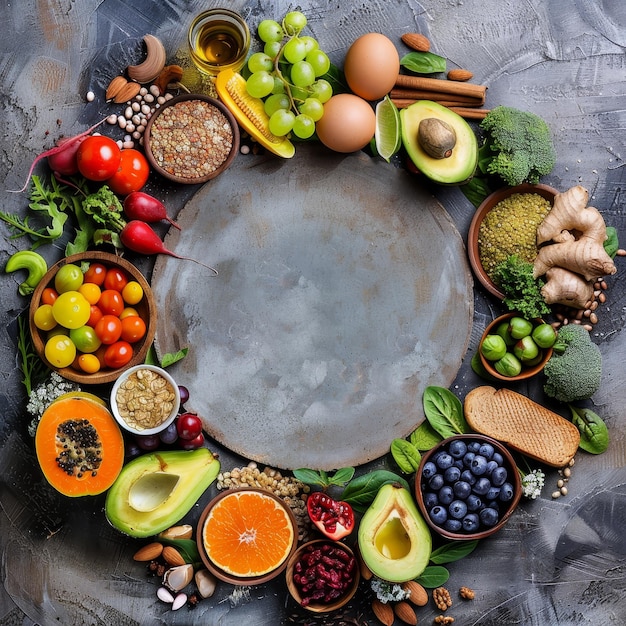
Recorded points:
(394, 540)
(156, 490)
(456, 169)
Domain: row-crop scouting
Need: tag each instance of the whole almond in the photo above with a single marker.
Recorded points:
(405, 613)
(383, 612)
(418, 42)
(417, 594)
(149, 552)
(172, 556)
(460, 75)
(115, 86)
(127, 92)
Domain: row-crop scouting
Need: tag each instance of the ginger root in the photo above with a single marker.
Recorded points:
(566, 288)
(578, 233)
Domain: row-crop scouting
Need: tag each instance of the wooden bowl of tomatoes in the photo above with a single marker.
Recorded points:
(92, 316)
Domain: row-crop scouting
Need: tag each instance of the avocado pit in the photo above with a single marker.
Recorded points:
(436, 137)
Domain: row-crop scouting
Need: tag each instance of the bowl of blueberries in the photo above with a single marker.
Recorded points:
(467, 487)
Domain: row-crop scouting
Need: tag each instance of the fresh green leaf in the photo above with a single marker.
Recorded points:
(423, 62)
(611, 243)
(105, 209)
(452, 551)
(173, 357)
(444, 411)
(310, 477)
(336, 78)
(361, 491)
(33, 369)
(476, 190)
(425, 437)
(342, 476)
(594, 435)
(51, 202)
(187, 547)
(406, 455)
(433, 576)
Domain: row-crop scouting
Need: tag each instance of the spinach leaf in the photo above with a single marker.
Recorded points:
(425, 437)
(611, 243)
(452, 551)
(423, 62)
(322, 479)
(361, 491)
(406, 455)
(433, 576)
(444, 411)
(594, 435)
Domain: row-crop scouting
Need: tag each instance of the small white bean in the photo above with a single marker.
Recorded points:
(136, 106)
(91, 96)
(112, 119)
(121, 121)
(149, 98)
(128, 112)
(154, 90)
(130, 127)
(143, 91)
(128, 145)
(120, 144)
(145, 109)
(161, 100)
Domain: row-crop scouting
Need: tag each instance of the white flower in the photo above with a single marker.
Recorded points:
(41, 397)
(388, 592)
(532, 484)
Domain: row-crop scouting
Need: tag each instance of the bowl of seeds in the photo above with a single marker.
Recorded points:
(191, 139)
(504, 225)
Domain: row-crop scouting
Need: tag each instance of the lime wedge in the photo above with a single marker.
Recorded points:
(387, 136)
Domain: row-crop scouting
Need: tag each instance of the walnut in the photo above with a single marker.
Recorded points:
(443, 619)
(442, 598)
(466, 593)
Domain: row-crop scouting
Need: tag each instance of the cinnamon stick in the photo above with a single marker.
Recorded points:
(469, 113)
(415, 94)
(444, 86)
(402, 103)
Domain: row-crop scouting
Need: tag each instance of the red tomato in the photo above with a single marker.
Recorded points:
(132, 173)
(115, 279)
(111, 302)
(95, 315)
(118, 354)
(98, 157)
(49, 295)
(95, 274)
(133, 328)
(108, 329)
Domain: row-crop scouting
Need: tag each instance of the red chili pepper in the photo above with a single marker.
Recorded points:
(334, 518)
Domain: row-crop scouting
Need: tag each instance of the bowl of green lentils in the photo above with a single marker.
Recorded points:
(505, 224)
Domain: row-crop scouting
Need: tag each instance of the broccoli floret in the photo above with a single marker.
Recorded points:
(518, 146)
(574, 371)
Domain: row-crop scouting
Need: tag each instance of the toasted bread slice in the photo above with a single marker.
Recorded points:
(522, 424)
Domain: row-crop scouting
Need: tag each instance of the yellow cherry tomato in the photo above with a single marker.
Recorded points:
(132, 292)
(43, 318)
(60, 351)
(71, 309)
(128, 312)
(91, 291)
(89, 363)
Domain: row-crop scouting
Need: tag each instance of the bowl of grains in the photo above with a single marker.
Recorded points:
(145, 399)
(191, 139)
(504, 225)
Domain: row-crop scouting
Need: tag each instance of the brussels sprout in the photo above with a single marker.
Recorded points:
(508, 365)
(503, 330)
(544, 335)
(493, 347)
(526, 349)
(519, 327)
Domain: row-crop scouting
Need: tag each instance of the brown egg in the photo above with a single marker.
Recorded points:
(348, 123)
(371, 66)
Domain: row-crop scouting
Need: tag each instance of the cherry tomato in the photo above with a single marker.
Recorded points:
(108, 329)
(49, 295)
(111, 302)
(85, 339)
(60, 351)
(96, 273)
(71, 310)
(128, 311)
(132, 292)
(91, 292)
(131, 174)
(115, 279)
(43, 318)
(133, 328)
(95, 315)
(88, 363)
(118, 354)
(98, 157)
(189, 426)
(335, 519)
(68, 278)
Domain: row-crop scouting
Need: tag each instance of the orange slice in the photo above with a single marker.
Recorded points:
(248, 534)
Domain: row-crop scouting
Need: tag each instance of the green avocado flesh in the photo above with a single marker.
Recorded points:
(457, 168)
(394, 540)
(154, 491)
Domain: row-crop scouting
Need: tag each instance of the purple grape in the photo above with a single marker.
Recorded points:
(169, 435)
(148, 442)
(184, 393)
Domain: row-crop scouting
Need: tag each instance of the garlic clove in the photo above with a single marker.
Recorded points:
(206, 583)
(177, 578)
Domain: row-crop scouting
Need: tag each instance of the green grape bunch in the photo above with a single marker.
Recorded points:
(287, 76)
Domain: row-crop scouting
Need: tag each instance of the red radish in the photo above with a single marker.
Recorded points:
(64, 163)
(62, 149)
(139, 237)
(142, 206)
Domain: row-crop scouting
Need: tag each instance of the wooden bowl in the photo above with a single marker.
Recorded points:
(155, 153)
(320, 607)
(472, 237)
(221, 574)
(146, 309)
(506, 509)
(527, 372)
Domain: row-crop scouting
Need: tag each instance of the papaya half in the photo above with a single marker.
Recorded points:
(79, 445)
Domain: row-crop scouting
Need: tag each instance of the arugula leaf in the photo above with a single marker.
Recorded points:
(444, 411)
(423, 62)
(361, 491)
(594, 435)
(453, 551)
